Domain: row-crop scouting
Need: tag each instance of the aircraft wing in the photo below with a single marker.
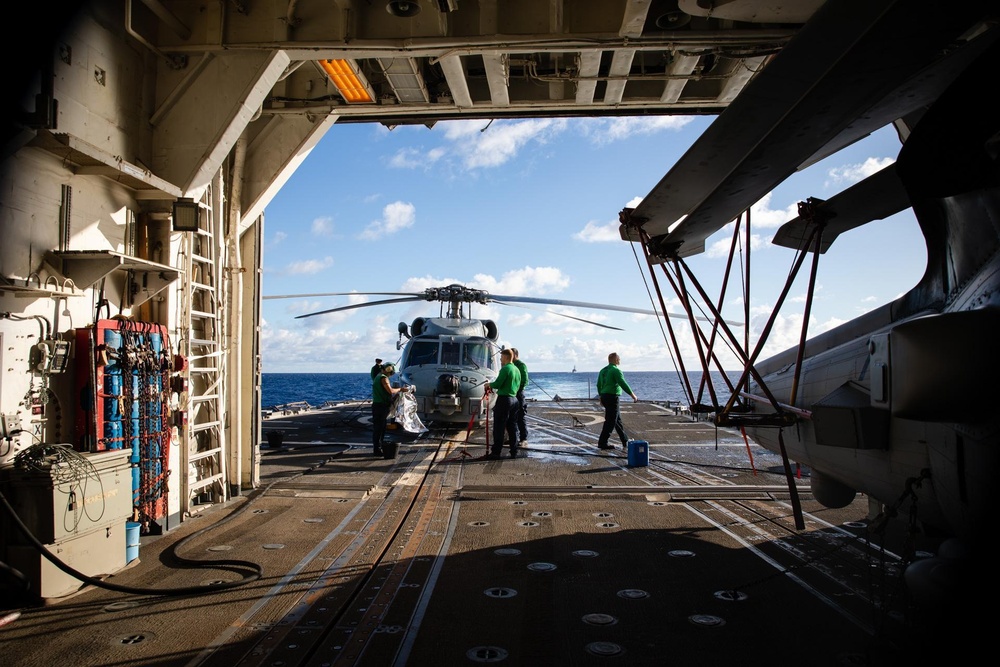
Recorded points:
(877, 197)
(853, 68)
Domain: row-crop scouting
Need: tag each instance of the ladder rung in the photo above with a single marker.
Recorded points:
(203, 397)
(201, 258)
(204, 426)
(203, 286)
(202, 483)
(201, 313)
(204, 370)
(201, 341)
(199, 357)
(198, 456)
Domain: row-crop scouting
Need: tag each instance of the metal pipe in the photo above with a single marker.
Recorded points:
(167, 17)
(142, 40)
(234, 296)
(471, 44)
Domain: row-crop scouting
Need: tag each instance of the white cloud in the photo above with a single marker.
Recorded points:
(304, 349)
(721, 247)
(606, 130)
(762, 217)
(595, 232)
(322, 227)
(852, 173)
(529, 281)
(500, 143)
(307, 306)
(308, 266)
(395, 216)
(412, 158)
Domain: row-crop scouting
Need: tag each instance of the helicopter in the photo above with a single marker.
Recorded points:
(891, 404)
(449, 359)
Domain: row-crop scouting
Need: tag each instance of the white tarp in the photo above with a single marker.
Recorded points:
(404, 409)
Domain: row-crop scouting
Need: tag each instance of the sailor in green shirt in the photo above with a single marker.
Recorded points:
(382, 395)
(505, 409)
(522, 407)
(610, 383)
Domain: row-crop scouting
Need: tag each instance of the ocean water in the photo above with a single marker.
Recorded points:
(317, 388)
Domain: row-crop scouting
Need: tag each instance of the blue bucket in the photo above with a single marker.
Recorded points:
(638, 453)
(131, 540)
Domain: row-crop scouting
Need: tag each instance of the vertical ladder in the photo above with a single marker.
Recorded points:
(203, 456)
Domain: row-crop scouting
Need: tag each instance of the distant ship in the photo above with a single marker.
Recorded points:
(574, 368)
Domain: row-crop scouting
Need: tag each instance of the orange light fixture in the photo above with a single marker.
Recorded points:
(349, 81)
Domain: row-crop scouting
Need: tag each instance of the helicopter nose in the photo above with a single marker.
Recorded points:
(447, 384)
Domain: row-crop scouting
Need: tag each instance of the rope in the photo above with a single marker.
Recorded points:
(576, 420)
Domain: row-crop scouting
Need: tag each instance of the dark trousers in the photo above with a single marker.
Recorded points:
(612, 420)
(380, 414)
(522, 425)
(504, 421)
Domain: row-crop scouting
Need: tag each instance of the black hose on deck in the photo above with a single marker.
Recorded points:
(257, 570)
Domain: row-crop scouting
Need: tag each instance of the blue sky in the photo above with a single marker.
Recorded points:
(530, 208)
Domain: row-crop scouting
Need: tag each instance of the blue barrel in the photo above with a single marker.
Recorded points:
(638, 453)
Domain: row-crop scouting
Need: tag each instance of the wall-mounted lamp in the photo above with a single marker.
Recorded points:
(403, 8)
(186, 215)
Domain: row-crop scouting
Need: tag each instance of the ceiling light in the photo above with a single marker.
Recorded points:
(404, 77)
(349, 80)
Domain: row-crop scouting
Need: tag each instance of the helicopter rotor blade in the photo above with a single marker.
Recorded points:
(461, 293)
(599, 306)
(360, 305)
(308, 296)
(552, 312)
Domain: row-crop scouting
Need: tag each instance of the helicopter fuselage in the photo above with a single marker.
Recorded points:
(449, 361)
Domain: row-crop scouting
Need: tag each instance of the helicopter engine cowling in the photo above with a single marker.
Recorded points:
(492, 332)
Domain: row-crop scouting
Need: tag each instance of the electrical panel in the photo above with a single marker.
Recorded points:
(123, 383)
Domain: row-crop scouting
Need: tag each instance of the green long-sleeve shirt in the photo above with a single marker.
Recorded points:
(611, 380)
(507, 382)
(524, 375)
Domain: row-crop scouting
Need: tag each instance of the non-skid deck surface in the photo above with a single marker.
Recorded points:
(563, 556)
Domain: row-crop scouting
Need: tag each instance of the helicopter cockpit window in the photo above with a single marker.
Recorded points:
(423, 353)
(477, 354)
(451, 353)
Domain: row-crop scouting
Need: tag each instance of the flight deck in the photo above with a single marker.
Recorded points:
(566, 555)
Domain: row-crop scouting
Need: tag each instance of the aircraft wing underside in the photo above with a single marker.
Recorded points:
(816, 97)
(875, 198)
